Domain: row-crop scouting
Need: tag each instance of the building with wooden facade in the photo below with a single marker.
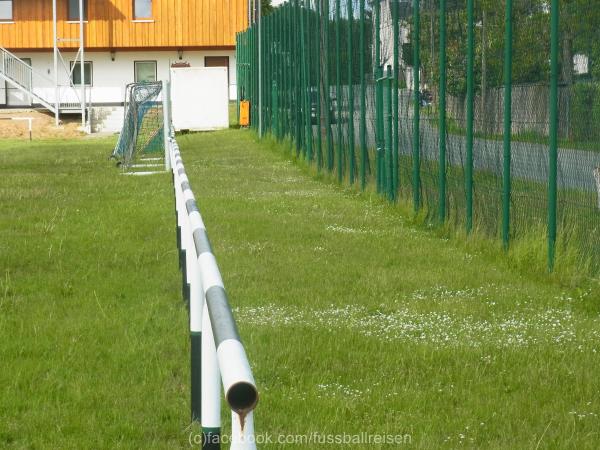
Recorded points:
(122, 41)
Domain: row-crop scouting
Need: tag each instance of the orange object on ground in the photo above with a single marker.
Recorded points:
(244, 113)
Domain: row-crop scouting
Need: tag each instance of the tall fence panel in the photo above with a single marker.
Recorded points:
(482, 114)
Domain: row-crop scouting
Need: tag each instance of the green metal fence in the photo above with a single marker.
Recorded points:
(483, 114)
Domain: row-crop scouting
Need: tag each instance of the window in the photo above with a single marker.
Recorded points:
(142, 9)
(145, 71)
(76, 73)
(74, 10)
(216, 61)
(6, 9)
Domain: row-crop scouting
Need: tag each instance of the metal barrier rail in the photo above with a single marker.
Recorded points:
(217, 354)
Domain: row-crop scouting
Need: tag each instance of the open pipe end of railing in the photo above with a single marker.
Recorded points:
(242, 397)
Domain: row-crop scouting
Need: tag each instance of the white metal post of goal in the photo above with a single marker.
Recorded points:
(217, 354)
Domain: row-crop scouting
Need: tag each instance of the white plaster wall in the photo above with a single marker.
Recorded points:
(110, 77)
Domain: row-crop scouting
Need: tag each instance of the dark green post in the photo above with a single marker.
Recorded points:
(329, 135)
(442, 115)
(265, 96)
(396, 62)
(252, 78)
(389, 184)
(266, 89)
(318, 85)
(274, 110)
(196, 375)
(267, 76)
(363, 100)
(287, 112)
(416, 41)
(378, 98)
(553, 154)
(237, 76)
(297, 78)
(301, 79)
(338, 92)
(306, 62)
(280, 85)
(470, 103)
(351, 168)
(506, 188)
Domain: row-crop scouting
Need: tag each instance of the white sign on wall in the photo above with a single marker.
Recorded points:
(199, 98)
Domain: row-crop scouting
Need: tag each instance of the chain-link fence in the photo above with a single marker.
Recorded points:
(482, 113)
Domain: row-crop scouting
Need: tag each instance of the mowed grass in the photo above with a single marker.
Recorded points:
(355, 320)
(92, 329)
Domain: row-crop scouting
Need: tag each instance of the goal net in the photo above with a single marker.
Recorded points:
(143, 123)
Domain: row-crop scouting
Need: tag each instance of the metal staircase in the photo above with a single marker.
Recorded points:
(20, 75)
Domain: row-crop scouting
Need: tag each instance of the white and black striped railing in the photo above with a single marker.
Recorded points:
(217, 354)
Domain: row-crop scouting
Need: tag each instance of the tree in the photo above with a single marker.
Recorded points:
(266, 7)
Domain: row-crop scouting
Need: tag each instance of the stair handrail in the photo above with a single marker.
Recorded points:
(20, 61)
(22, 75)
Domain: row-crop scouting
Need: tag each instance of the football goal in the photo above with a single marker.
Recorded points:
(143, 124)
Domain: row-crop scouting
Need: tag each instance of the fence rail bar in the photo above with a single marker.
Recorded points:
(216, 351)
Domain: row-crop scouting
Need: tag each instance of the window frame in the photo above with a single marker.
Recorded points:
(12, 11)
(135, 63)
(85, 11)
(91, 63)
(136, 17)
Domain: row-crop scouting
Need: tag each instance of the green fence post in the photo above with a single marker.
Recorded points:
(338, 92)
(279, 66)
(553, 153)
(287, 72)
(389, 185)
(309, 62)
(304, 36)
(270, 74)
(296, 64)
(470, 101)
(506, 188)
(442, 115)
(280, 73)
(318, 85)
(251, 70)
(266, 76)
(263, 104)
(248, 71)
(396, 62)
(237, 76)
(328, 88)
(254, 78)
(378, 97)
(416, 106)
(274, 102)
(363, 100)
(351, 168)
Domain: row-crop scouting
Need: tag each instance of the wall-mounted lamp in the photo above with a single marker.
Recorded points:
(180, 54)
(112, 55)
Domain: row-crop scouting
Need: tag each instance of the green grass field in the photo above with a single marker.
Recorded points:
(355, 319)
